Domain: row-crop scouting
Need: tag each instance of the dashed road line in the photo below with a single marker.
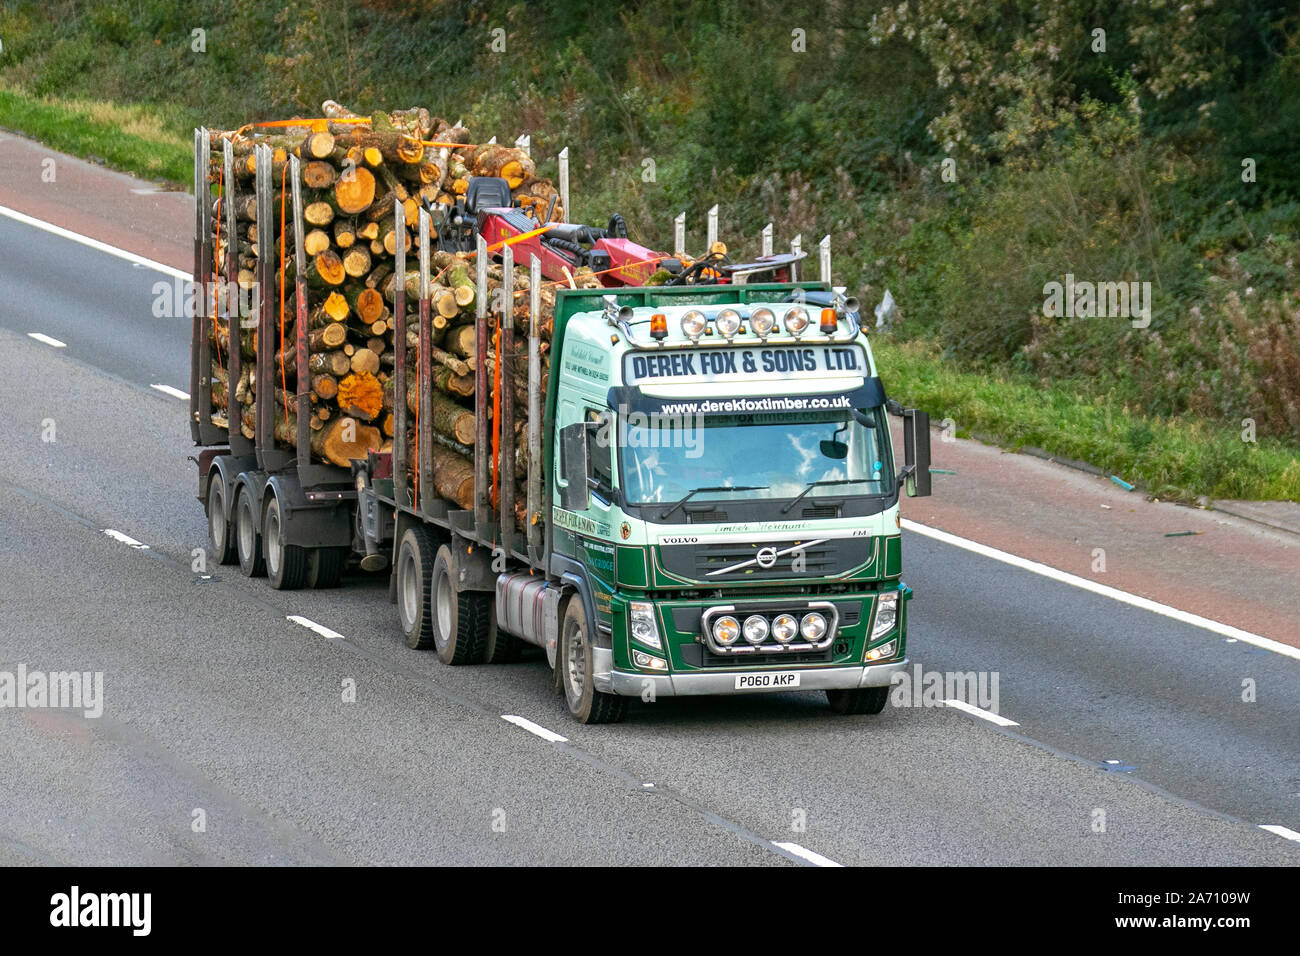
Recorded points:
(816, 859)
(42, 337)
(1286, 833)
(980, 712)
(311, 625)
(173, 392)
(126, 539)
(1155, 607)
(535, 729)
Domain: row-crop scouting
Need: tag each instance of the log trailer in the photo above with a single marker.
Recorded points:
(711, 490)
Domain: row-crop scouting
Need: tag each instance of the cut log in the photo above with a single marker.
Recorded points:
(326, 269)
(355, 191)
(369, 305)
(319, 144)
(325, 386)
(318, 213)
(462, 340)
(327, 338)
(345, 438)
(315, 242)
(365, 361)
(345, 234)
(356, 261)
(445, 380)
(333, 309)
(319, 175)
(453, 477)
(334, 363)
(444, 300)
(361, 391)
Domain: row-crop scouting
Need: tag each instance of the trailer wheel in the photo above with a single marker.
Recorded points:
(858, 700)
(585, 702)
(286, 564)
(248, 536)
(460, 618)
(325, 567)
(221, 536)
(415, 558)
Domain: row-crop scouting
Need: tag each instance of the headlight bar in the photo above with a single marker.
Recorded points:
(770, 646)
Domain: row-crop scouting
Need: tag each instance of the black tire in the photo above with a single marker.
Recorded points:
(502, 648)
(858, 700)
(585, 703)
(248, 535)
(414, 573)
(221, 540)
(286, 564)
(325, 567)
(461, 619)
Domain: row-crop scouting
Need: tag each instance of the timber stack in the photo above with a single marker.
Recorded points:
(355, 171)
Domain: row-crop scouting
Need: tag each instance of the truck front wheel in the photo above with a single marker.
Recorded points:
(858, 700)
(461, 618)
(575, 659)
(248, 535)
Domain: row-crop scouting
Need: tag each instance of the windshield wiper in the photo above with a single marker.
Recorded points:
(816, 484)
(691, 494)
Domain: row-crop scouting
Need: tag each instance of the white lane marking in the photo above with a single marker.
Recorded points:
(93, 243)
(126, 539)
(979, 712)
(42, 337)
(1284, 832)
(814, 858)
(1186, 617)
(533, 728)
(311, 625)
(173, 392)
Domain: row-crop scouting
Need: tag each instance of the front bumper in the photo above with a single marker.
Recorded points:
(635, 684)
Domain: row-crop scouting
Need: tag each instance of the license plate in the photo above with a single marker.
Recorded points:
(771, 680)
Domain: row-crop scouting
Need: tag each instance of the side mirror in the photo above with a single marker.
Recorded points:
(916, 452)
(574, 493)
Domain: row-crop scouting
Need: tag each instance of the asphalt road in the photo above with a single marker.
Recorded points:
(220, 711)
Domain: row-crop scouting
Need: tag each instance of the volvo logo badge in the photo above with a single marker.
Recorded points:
(766, 557)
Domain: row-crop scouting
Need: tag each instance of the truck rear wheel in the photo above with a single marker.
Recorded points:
(585, 702)
(415, 558)
(325, 567)
(858, 700)
(286, 564)
(221, 537)
(502, 648)
(460, 618)
(248, 536)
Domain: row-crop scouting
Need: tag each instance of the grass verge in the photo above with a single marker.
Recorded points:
(1171, 459)
(130, 138)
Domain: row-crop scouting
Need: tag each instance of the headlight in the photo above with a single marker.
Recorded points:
(883, 652)
(649, 661)
(796, 320)
(886, 614)
(644, 628)
(693, 324)
(784, 628)
(726, 630)
(812, 627)
(727, 322)
(762, 321)
(755, 629)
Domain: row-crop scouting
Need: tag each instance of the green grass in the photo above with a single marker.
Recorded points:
(1172, 459)
(130, 138)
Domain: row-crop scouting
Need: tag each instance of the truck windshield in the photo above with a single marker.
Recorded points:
(762, 456)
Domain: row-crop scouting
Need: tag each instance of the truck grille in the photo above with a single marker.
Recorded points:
(744, 561)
